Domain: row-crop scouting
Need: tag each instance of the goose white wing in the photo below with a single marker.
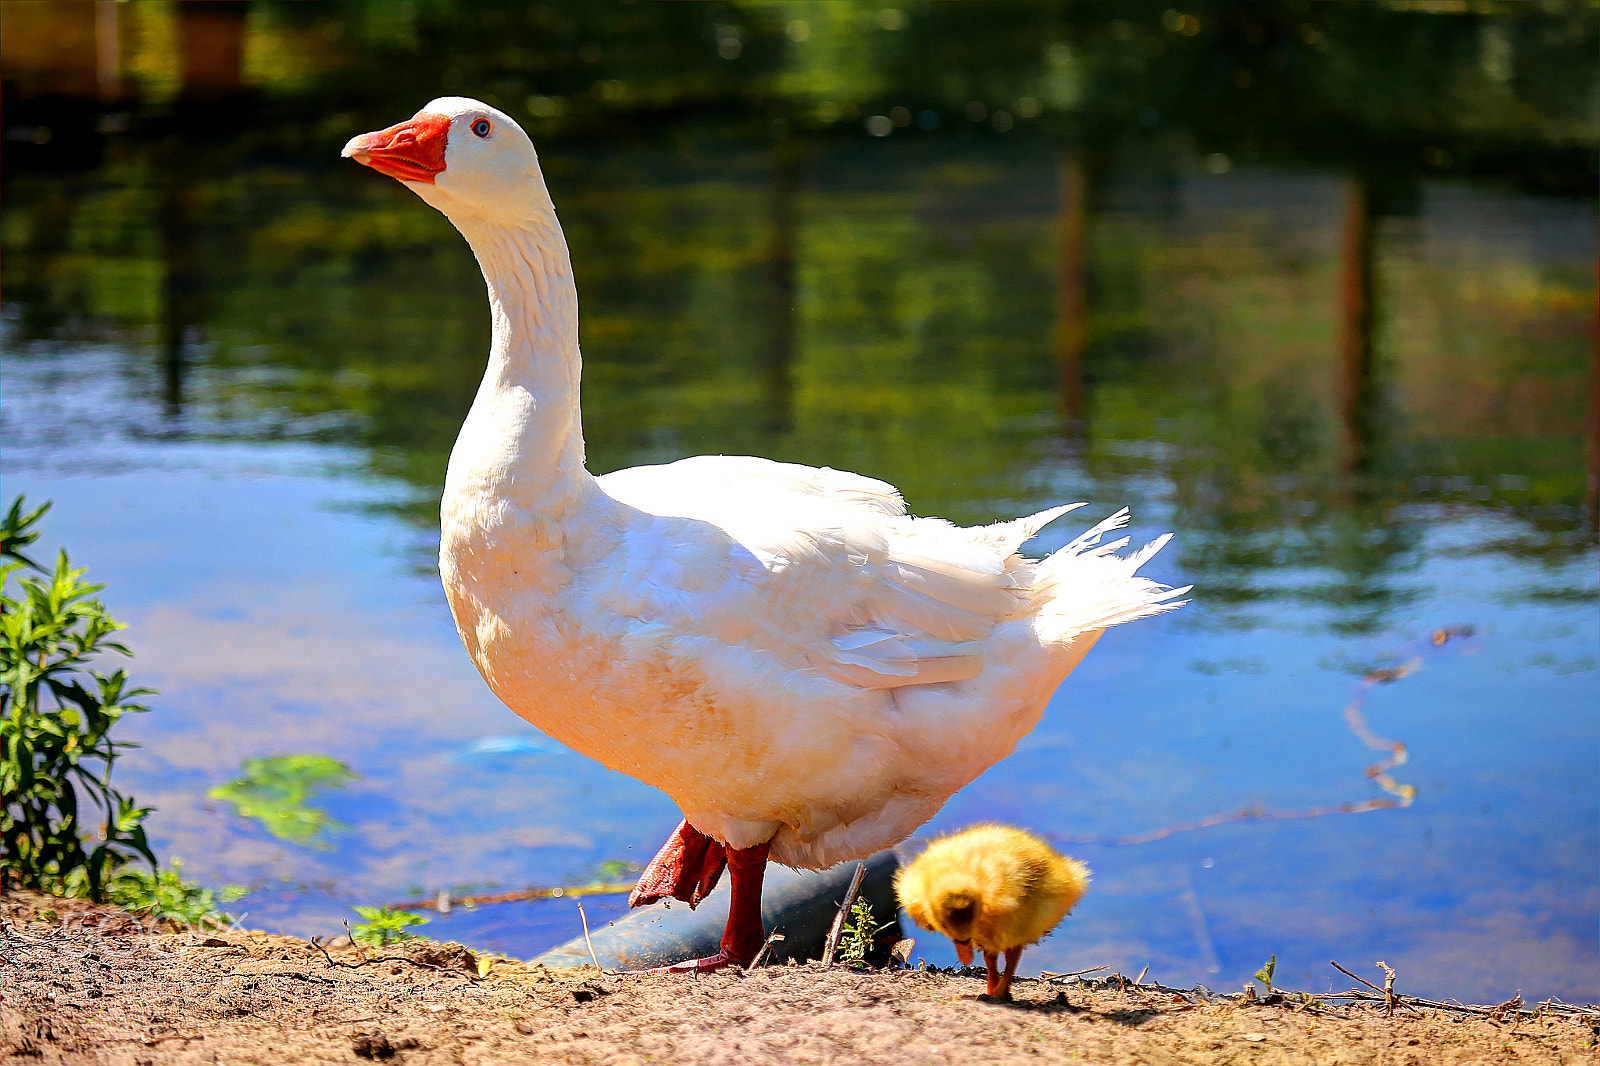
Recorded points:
(720, 483)
(819, 567)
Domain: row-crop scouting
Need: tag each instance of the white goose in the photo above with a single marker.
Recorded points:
(806, 669)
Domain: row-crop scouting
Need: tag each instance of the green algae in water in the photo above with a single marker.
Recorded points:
(275, 790)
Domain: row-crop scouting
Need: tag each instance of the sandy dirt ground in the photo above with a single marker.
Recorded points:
(86, 985)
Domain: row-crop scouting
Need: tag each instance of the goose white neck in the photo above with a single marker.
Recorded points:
(523, 439)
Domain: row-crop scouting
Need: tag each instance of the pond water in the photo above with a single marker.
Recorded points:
(1355, 388)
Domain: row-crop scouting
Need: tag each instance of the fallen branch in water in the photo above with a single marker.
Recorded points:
(444, 901)
(1400, 795)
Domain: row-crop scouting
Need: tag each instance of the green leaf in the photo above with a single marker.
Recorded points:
(1264, 975)
(17, 532)
(858, 934)
(384, 926)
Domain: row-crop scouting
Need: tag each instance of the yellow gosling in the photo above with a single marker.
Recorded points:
(994, 888)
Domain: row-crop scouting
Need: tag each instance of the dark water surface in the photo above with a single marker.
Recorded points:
(1313, 289)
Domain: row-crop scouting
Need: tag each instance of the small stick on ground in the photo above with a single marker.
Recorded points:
(1388, 987)
(761, 956)
(316, 942)
(1047, 976)
(1553, 1007)
(351, 936)
(1137, 981)
(584, 918)
(1513, 1005)
(1347, 973)
(838, 920)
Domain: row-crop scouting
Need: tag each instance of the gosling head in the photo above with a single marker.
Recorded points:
(954, 915)
(952, 911)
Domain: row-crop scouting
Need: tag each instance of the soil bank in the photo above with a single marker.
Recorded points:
(81, 984)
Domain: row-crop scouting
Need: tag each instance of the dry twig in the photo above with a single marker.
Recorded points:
(761, 956)
(832, 942)
(1347, 973)
(1553, 1007)
(13, 939)
(1389, 998)
(584, 918)
(367, 960)
(1513, 1005)
(1050, 978)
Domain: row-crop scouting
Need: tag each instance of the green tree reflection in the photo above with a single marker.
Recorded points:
(1216, 261)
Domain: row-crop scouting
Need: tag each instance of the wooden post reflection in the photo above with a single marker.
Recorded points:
(1356, 389)
(1072, 333)
(211, 39)
(778, 357)
(108, 49)
(211, 42)
(183, 289)
(1592, 497)
(50, 50)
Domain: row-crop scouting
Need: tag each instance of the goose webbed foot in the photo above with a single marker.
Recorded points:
(687, 868)
(719, 961)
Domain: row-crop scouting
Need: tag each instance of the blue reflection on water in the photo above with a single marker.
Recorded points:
(276, 602)
(524, 930)
(487, 748)
(275, 614)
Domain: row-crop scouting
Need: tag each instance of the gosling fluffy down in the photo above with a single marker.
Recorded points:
(993, 888)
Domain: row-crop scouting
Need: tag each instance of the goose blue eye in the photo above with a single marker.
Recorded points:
(481, 127)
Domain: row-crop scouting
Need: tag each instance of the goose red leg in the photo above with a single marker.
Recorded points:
(744, 934)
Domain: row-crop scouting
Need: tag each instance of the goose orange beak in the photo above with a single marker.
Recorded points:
(412, 150)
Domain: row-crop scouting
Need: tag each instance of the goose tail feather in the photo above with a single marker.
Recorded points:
(1086, 586)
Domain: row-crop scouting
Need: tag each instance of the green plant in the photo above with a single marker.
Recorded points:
(165, 894)
(1264, 975)
(63, 828)
(857, 935)
(275, 789)
(384, 925)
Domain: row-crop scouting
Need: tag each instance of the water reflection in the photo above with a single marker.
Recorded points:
(1314, 289)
